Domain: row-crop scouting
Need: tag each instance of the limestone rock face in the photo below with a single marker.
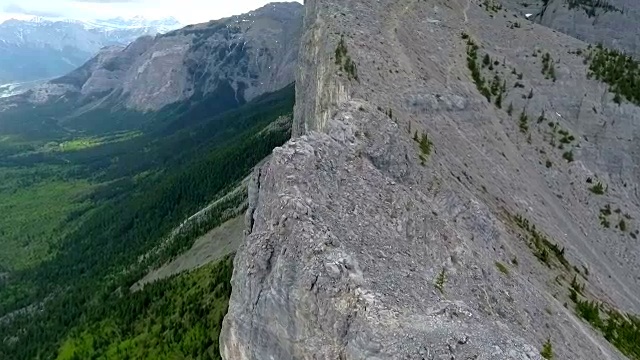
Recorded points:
(612, 22)
(314, 76)
(362, 245)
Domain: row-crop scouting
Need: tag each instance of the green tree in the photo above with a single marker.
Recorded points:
(547, 350)
(486, 60)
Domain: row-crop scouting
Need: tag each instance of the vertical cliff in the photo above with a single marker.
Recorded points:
(315, 76)
(412, 218)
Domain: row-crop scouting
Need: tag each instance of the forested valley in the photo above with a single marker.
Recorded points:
(87, 207)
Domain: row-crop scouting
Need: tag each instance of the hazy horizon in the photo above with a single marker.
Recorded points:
(185, 11)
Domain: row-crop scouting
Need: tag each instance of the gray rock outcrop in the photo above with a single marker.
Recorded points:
(360, 245)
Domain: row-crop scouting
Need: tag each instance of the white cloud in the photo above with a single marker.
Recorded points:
(186, 11)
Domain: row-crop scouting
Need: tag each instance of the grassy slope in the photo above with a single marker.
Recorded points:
(81, 143)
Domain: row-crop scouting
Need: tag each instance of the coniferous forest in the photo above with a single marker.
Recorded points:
(619, 70)
(104, 198)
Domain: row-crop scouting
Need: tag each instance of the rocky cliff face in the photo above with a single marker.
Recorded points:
(248, 54)
(413, 219)
(610, 22)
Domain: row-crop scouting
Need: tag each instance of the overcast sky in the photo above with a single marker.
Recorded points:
(186, 11)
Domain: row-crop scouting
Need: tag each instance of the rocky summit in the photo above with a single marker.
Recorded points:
(461, 185)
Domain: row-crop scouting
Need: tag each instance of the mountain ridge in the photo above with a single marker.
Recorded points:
(239, 58)
(443, 197)
(462, 183)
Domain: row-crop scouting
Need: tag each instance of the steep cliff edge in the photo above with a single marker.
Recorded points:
(412, 218)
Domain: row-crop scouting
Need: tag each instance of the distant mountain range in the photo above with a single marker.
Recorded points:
(39, 48)
(220, 65)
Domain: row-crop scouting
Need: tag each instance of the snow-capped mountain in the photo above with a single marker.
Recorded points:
(137, 22)
(38, 48)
